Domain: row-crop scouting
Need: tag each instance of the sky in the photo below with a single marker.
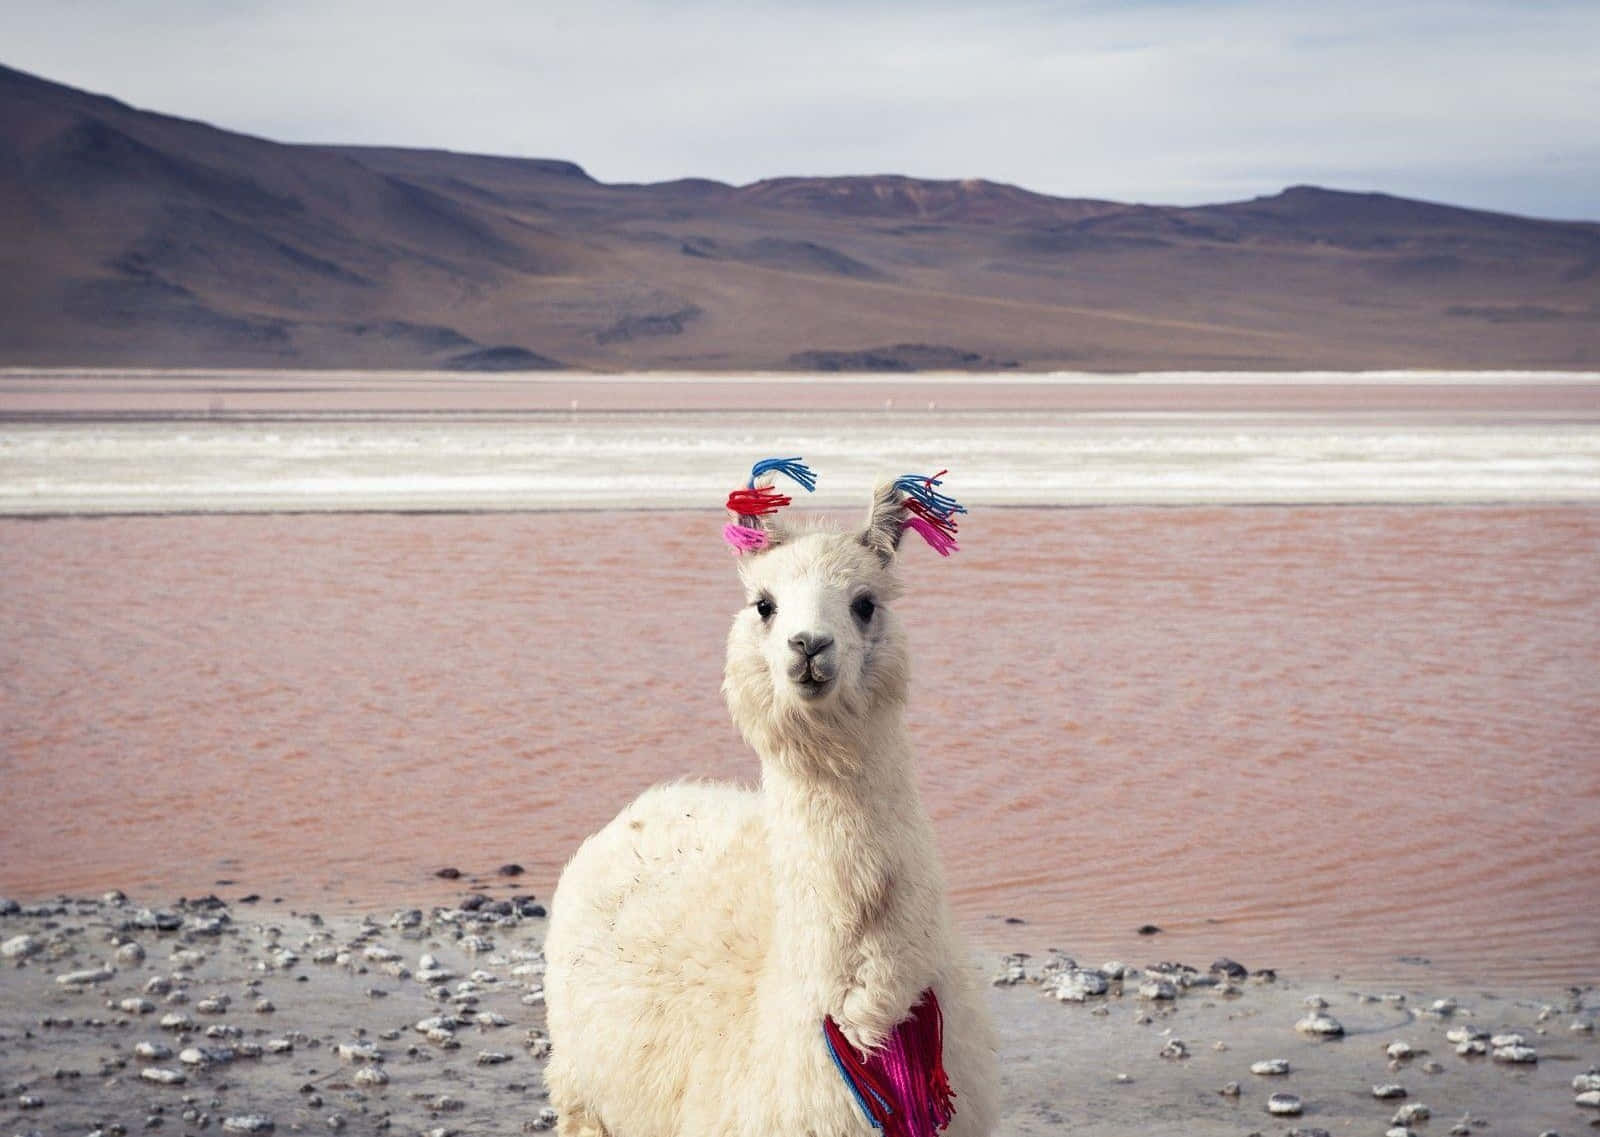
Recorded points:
(1487, 103)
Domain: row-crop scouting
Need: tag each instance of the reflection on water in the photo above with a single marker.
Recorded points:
(1316, 737)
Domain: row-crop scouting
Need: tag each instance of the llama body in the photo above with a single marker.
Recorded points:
(698, 941)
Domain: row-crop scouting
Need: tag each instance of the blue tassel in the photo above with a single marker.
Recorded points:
(921, 488)
(793, 468)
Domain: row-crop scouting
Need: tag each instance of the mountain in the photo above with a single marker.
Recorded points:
(135, 239)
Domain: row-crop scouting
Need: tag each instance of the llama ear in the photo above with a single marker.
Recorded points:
(754, 528)
(885, 521)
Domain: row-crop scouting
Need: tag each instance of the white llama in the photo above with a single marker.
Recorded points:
(700, 941)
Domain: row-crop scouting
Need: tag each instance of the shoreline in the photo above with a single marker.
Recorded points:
(431, 1021)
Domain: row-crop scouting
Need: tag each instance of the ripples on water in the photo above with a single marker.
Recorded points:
(1313, 737)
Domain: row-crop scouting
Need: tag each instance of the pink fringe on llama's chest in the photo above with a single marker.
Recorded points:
(901, 1086)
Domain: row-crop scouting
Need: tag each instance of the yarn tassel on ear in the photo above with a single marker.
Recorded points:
(754, 502)
(901, 1086)
(932, 513)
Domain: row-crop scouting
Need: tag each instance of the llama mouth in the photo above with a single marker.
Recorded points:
(813, 687)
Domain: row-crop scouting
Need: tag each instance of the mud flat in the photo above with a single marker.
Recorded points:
(242, 1016)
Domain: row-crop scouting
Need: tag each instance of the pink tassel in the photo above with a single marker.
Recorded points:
(902, 1085)
(743, 539)
(942, 543)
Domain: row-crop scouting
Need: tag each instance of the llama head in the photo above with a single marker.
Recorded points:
(817, 653)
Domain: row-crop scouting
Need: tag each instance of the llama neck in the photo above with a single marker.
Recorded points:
(853, 857)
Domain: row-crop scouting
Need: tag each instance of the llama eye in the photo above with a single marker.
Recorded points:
(863, 607)
(765, 608)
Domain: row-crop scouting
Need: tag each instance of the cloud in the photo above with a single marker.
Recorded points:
(1477, 102)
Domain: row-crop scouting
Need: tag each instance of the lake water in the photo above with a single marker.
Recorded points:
(1309, 735)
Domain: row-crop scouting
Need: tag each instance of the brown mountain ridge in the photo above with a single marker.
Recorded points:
(135, 239)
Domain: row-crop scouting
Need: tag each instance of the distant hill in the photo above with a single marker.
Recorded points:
(135, 239)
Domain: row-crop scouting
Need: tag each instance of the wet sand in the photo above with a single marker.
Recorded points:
(256, 1017)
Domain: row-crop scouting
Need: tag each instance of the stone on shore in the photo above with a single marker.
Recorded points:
(87, 976)
(1285, 1105)
(21, 947)
(1320, 1024)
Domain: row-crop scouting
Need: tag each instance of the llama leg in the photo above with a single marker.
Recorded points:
(574, 1118)
(576, 1121)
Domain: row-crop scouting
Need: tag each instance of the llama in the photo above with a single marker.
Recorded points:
(724, 962)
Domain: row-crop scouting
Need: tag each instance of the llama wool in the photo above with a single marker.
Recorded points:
(699, 942)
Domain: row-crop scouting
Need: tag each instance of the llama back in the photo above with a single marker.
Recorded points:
(658, 929)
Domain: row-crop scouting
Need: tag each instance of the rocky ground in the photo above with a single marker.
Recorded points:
(247, 1017)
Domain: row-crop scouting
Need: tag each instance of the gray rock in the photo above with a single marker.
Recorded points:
(1175, 1049)
(1585, 1082)
(373, 1075)
(1399, 1051)
(546, 1120)
(1228, 967)
(153, 1051)
(358, 1052)
(1388, 1092)
(492, 1057)
(1459, 1034)
(1156, 988)
(21, 947)
(1472, 1046)
(175, 1020)
(87, 976)
(1320, 1024)
(1271, 1067)
(1077, 986)
(1285, 1105)
(9, 907)
(1515, 1055)
(136, 1006)
(130, 954)
(163, 1076)
(1589, 1099)
(248, 1123)
(205, 1055)
(1411, 1112)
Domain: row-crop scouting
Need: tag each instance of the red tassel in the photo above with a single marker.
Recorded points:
(757, 502)
(902, 1085)
(944, 523)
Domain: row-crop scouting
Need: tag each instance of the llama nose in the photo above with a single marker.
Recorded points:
(810, 645)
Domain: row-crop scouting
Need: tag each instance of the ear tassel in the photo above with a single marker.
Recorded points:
(795, 469)
(932, 513)
(920, 488)
(754, 502)
(757, 502)
(742, 539)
